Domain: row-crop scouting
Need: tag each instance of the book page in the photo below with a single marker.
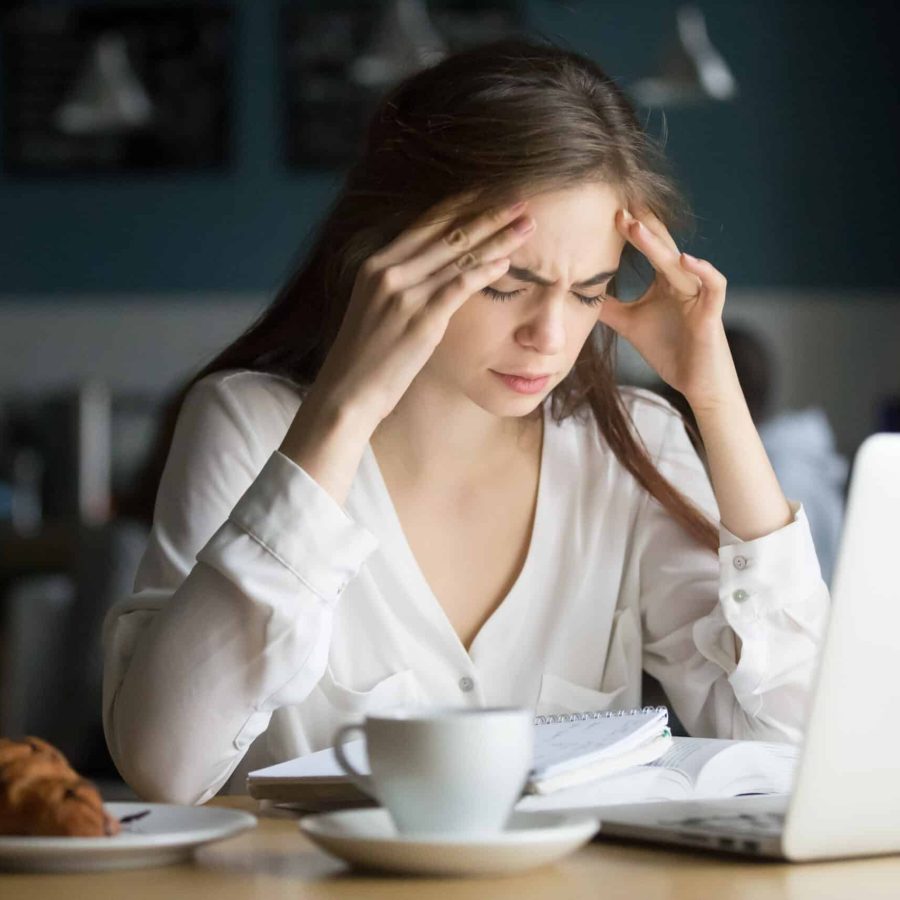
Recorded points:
(701, 768)
(749, 767)
(322, 764)
(638, 784)
(690, 755)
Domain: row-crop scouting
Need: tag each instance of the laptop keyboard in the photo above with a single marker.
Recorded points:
(768, 824)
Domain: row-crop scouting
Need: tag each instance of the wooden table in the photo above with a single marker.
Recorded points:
(275, 861)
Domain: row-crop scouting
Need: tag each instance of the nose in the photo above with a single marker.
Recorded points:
(544, 326)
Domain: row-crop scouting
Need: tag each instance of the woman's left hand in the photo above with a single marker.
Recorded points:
(676, 325)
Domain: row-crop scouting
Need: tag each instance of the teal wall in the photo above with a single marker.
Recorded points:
(794, 183)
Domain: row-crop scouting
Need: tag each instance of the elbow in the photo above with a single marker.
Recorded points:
(154, 783)
(166, 782)
(158, 772)
(156, 787)
(166, 790)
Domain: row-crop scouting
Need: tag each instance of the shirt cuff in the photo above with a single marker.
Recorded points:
(768, 572)
(303, 526)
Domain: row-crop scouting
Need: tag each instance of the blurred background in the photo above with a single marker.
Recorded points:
(163, 165)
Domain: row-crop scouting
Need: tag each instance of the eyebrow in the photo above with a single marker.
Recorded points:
(528, 275)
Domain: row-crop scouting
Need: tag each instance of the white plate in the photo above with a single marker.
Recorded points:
(368, 838)
(169, 834)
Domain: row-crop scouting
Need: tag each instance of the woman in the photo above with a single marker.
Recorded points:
(360, 507)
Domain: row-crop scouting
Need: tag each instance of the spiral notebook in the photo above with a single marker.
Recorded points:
(568, 750)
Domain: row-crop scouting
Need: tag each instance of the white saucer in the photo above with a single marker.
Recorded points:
(369, 839)
(168, 834)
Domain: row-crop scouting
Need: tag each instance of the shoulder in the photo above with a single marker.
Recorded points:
(243, 384)
(651, 414)
(646, 402)
(258, 405)
(649, 417)
(599, 480)
(247, 390)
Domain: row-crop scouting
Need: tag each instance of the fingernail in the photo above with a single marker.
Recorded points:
(524, 224)
(627, 216)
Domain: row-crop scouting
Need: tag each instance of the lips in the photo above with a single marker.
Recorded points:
(524, 385)
(527, 375)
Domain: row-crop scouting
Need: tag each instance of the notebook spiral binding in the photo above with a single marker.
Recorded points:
(605, 714)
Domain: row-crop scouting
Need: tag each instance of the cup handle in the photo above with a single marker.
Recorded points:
(363, 782)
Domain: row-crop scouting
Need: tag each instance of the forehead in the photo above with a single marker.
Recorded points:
(575, 231)
(588, 196)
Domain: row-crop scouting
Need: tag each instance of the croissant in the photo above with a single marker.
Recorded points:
(41, 794)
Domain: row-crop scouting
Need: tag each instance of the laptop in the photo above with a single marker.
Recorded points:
(846, 795)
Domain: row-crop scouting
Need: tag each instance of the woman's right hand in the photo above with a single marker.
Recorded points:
(402, 301)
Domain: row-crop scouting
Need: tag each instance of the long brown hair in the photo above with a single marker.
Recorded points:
(508, 118)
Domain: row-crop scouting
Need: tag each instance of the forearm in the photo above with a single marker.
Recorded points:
(327, 440)
(733, 637)
(750, 500)
(189, 685)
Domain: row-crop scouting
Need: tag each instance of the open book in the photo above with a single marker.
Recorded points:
(693, 768)
(568, 751)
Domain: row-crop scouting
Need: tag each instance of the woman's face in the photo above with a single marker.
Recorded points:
(541, 328)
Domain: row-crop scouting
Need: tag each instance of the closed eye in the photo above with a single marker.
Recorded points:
(494, 294)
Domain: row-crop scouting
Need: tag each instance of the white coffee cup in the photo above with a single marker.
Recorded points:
(444, 770)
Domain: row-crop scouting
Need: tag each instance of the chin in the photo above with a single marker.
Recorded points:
(508, 404)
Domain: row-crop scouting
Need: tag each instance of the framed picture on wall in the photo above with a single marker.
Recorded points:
(101, 87)
(338, 57)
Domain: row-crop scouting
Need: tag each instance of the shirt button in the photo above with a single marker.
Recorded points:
(466, 684)
(741, 562)
(740, 596)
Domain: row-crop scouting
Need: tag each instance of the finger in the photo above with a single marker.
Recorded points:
(470, 244)
(425, 290)
(423, 229)
(614, 313)
(498, 246)
(714, 283)
(435, 227)
(656, 226)
(663, 259)
(449, 296)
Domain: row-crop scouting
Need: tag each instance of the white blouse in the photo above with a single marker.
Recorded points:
(264, 614)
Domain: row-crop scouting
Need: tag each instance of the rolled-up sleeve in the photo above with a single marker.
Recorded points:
(733, 638)
(232, 609)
